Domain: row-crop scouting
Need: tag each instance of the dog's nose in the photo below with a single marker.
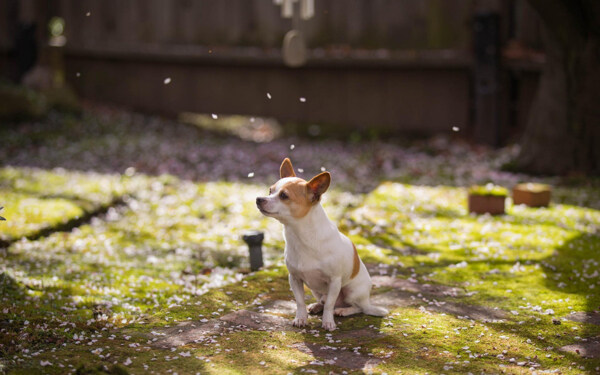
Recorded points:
(260, 200)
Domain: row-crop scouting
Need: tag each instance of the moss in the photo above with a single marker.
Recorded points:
(28, 214)
(488, 190)
(533, 187)
(114, 281)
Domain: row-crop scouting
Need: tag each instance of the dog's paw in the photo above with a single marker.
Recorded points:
(300, 321)
(315, 308)
(329, 325)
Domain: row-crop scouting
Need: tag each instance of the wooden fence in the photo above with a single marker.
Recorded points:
(400, 65)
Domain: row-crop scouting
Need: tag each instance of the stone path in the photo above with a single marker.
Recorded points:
(583, 317)
(276, 315)
(404, 292)
(587, 347)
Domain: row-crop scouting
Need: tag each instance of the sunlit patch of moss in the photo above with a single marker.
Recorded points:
(488, 190)
(89, 187)
(26, 214)
(253, 352)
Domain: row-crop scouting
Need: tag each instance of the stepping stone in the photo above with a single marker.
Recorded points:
(585, 317)
(257, 321)
(589, 349)
(392, 299)
(194, 331)
(406, 285)
(281, 307)
(397, 298)
(190, 332)
(363, 333)
(479, 313)
(345, 359)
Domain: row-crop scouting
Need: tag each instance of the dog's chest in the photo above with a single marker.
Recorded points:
(309, 270)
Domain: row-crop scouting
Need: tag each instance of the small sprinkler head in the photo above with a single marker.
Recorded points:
(254, 241)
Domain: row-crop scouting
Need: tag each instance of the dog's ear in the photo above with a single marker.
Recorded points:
(318, 185)
(286, 169)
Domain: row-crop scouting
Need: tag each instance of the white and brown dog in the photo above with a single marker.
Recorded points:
(316, 253)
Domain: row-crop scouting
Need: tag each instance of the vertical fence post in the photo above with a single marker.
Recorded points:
(486, 78)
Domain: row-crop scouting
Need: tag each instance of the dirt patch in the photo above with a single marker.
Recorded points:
(334, 356)
(585, 317)
(588, 349)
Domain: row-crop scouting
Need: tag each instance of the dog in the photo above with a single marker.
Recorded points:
(316, 253)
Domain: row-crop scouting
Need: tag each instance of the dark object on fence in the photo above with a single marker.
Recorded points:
(532, 195)
(254, 240)
(1, 218)
(487, 199)
(486, 78)
(25, 49)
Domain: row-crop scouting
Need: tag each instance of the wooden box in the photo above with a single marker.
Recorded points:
(487, 199)
(532, 195)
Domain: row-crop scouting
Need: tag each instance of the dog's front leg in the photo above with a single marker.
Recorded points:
(332, 294)
(298, 290)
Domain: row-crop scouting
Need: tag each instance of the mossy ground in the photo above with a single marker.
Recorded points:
(167, 250)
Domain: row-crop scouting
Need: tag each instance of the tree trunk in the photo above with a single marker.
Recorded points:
(562, 134)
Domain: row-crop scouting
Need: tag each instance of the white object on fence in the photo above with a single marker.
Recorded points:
(287, 8)
(307, 9)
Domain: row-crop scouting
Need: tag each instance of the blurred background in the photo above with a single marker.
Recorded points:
(482, 71)
(379, 67)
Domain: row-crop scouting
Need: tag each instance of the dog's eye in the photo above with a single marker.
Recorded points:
(270, 191)
(283, 196)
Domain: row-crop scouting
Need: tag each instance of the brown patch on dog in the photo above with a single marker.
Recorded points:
(298, 200)
(318, 185)
(356, 264)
